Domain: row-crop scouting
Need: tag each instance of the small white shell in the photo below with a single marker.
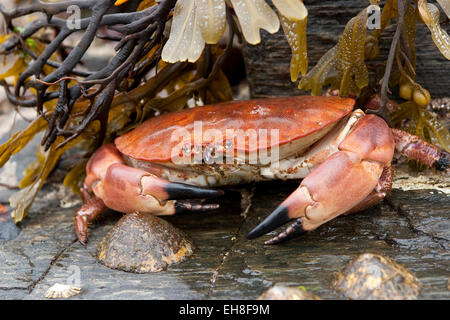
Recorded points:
(61, 291)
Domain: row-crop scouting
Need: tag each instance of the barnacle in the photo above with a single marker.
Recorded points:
(62, 291)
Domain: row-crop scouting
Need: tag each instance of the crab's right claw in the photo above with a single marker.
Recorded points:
(333, 188)
(294, 205)
(337, 185)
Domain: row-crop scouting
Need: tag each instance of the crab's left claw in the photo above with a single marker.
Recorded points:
(341, 182)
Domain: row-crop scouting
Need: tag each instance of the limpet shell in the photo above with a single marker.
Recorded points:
(374, 277)
(143, 243)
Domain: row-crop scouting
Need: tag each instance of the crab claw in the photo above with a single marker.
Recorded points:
(276, 219)
(333, 188)
(337, 185)
(297, 202)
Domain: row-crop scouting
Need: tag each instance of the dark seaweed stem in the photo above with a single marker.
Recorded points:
(141, 31)
(383, 110)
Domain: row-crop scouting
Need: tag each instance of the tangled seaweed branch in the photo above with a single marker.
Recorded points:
(140, 32)
(383, 110)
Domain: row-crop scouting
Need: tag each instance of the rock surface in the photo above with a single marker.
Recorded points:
(8, 229)
(142, 243)
(412, 227)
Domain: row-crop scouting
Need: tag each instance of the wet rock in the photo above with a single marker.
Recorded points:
(143, 243)
(8, 229)
(375, 277)
(281, 292)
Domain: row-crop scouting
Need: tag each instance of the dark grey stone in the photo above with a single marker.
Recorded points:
(8, 229)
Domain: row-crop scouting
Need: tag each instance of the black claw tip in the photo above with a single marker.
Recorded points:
(444, 162)
(185, 191)
(274, 220)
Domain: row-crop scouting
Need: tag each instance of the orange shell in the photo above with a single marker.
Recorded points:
(295, 117)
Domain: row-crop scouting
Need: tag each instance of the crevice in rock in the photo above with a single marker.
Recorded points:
(13, 288)
(389, 241)
(49, 267)
(441, 242)
(234, 239)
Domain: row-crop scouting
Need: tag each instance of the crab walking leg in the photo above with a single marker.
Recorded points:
(91, 209)
(127, 189)
(338, 184)
(417, 149)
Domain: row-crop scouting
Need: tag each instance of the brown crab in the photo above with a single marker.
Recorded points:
(343, 156)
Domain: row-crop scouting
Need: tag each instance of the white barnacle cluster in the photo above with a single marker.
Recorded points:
(58, 291)
(196, 22)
